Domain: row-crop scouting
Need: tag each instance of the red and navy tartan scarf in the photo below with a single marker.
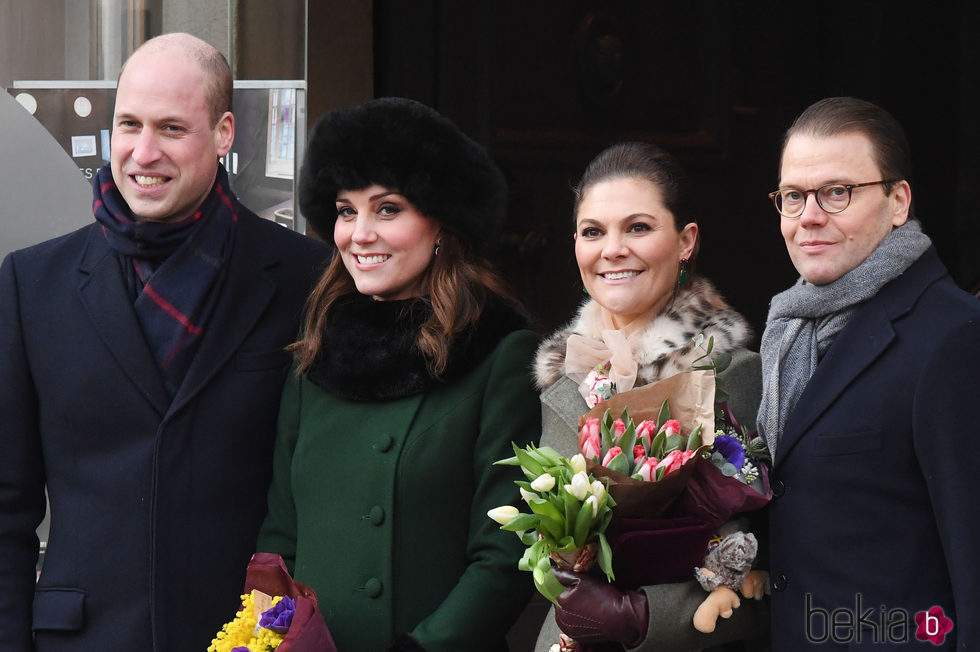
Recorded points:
(173, 270)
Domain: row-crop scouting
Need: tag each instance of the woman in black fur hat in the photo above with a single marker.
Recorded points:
(411, 380)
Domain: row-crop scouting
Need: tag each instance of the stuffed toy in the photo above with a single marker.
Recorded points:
(728, 569)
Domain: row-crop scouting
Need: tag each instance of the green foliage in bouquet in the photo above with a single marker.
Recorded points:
(735, 452)
(570, 511)
(718, 364)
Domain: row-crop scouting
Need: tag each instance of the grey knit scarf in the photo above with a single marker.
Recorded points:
(804, 320)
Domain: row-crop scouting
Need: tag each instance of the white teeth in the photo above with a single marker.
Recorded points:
(148, 181)
(615, 276)
(372, 260)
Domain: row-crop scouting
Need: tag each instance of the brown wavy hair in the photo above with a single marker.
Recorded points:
(456, 284)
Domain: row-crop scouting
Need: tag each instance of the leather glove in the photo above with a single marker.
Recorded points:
(591, 610)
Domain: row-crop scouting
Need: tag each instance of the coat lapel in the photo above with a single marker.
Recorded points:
(103, 293)
(246, 293)
(865, 337)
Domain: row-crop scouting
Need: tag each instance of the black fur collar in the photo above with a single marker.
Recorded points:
(369, 354)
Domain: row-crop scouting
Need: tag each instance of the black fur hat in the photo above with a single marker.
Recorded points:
(406, 146)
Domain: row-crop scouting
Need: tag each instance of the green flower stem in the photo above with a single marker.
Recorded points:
(547, 584)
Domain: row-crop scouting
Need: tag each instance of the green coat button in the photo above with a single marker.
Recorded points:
(376, 515)
(384, 443)
(372, 588)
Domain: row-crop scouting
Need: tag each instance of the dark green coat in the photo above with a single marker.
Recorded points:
(381, 507)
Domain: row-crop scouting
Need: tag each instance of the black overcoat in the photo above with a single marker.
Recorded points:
(155, 504)
(875, 513)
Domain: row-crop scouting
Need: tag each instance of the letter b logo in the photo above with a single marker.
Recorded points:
(933, 625)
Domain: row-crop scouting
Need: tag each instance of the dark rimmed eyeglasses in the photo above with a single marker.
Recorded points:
(831, 197)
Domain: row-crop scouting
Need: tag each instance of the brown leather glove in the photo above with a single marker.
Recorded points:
(591, 610)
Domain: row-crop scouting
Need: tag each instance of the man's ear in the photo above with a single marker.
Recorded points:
(899, 202)
(224, 133)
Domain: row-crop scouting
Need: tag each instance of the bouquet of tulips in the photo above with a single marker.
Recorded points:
(569, 512)
(677, 470)
(648, 452)
(645, 452)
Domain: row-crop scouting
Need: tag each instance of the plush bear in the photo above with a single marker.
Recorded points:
(728, 569)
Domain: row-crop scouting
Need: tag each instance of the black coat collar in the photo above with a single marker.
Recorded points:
(368, 351)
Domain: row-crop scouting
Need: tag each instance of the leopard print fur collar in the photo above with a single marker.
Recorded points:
(667, 345)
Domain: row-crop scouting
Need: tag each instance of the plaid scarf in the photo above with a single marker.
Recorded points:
(173, 270)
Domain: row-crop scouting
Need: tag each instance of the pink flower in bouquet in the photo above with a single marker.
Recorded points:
(618, 428)
(600, 386)
(613, 452)
(645, 432)
(592, 447)
(675, 460)
(648, 469)
(638, 454)
(672, 427)
(589, 429)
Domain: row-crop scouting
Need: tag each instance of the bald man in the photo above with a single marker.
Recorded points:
(141, 363)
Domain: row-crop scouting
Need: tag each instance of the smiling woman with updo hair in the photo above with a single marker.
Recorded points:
(636, 239)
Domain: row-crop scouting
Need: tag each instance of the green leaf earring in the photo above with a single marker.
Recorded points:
(682, 277)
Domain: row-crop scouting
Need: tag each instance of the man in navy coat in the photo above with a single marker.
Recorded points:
(870, 366)
(141, 365)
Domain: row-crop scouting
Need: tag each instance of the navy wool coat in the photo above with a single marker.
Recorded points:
(875, 516)
(155, 504)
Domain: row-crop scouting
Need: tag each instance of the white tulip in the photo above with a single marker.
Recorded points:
(543, 482)
(528, 496)
(503, 514)
(598, 490)
(580, 486)
(591, 500)
(577, 463)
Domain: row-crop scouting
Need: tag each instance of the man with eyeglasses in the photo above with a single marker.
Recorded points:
(870, 366)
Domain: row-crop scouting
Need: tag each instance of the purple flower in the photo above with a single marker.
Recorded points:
(241, 648)
(731, 448)
(280, 616)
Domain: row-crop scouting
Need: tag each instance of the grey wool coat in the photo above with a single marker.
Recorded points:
(697, 308)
